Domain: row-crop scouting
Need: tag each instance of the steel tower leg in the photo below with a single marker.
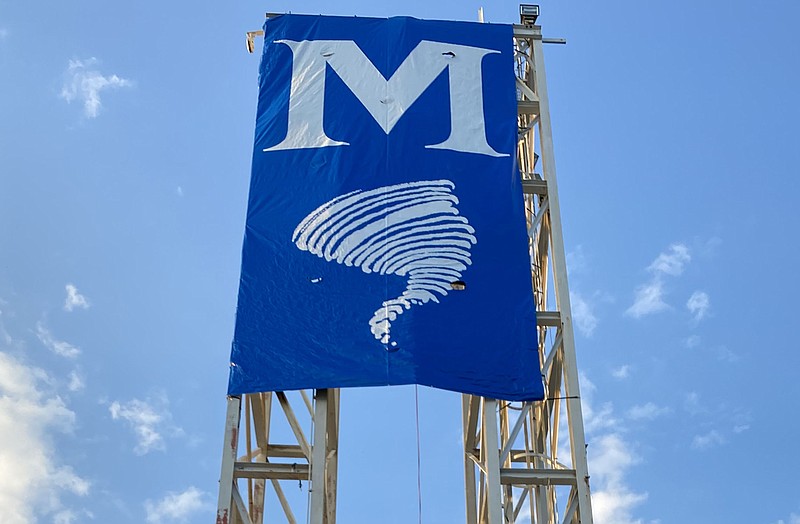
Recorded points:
(534, 483)
(265, 461)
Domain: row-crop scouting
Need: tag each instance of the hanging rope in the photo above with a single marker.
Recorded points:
(419, 460)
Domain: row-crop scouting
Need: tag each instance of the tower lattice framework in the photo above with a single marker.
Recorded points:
(523, 462)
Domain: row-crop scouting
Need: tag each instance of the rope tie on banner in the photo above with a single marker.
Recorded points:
(419, 460)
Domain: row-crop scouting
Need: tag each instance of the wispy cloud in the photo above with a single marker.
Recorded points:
(576, 261)
(692, 404)
(74, 299)
(698, 305)
(708, 440)
(672, 261)
(69, 516)
(622, 372)
(595, 419)
(76, 382)
(177, 507)
(794, 518)
(583, 314)
(5, 336)
(720, 423)
(692, 341)
(647, 411)
(59, 347)
(724, 354)
(32, 481)
(721, 352)
(66, 516)
(649, 297)
(609, 463)
(3, 33)
(150, 420)
(85, 83)
(610, 458)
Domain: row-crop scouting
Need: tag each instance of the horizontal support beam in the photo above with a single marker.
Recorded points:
(534, 187)
(537, 477)
(527, 107)
(548, 318)
(527, 31)
(268, 470)
(525, 457)
(285, 451)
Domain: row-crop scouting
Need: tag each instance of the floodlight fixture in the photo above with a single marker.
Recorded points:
(528, 13)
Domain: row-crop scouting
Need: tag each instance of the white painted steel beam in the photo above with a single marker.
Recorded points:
(537, 476)
(570, 369)
(229, 448)
(527, 443)
(279, 462)
(318, 491)
(534, 187)
(267, 470)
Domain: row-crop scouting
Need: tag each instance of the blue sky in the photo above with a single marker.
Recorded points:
(124, 163)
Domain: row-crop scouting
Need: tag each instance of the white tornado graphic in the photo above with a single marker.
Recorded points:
(411, 229)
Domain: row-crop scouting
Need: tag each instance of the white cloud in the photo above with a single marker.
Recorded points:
(84, 83)
(672, 261)
(150, 420)
(599, 419)
(59, 347)
(648, 411)
(721, 351)
(594, 420)
(692, 404)
(793, 519)
(179, 191)
(5, 336)
(610, 457)
(576, 261)
(177, 507)
(698, 305)
(721, 423)
(74, 299)
(32, 481)
(621, 372)
(68, 516)
(76, 382)
(707, 440)
(3, 33)
(692, 342)
(724, 354)
(648, 299)
(583, 314)
(710, 247)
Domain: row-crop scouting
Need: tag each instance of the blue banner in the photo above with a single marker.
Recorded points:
(386, 240)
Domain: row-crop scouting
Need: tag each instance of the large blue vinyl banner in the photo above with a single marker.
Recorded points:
(385, 240)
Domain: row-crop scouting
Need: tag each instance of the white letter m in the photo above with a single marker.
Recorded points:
(386, 100)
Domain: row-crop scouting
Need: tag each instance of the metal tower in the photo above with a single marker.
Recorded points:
(519, 466)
